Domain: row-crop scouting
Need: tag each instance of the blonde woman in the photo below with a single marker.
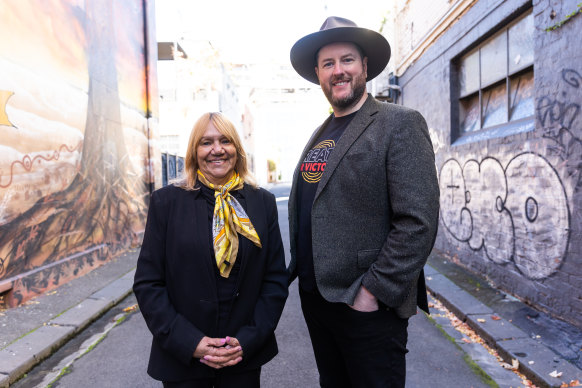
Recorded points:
(211, 280)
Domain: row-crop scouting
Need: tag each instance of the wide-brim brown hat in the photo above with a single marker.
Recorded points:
(336, 29)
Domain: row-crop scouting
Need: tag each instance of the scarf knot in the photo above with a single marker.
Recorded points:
(228, 218)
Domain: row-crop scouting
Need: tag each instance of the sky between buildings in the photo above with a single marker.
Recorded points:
(256, 31)
(261, 32)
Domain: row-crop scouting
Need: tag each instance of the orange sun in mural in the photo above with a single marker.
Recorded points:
(4, 96)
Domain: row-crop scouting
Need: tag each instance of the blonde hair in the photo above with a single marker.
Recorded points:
(226, 128)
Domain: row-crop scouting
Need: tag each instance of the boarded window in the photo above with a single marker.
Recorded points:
(495, 79)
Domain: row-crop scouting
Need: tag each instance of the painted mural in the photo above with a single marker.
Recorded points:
(73, 139)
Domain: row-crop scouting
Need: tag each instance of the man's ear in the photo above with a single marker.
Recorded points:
(317, 71)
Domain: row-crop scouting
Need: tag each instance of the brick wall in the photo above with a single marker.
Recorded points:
(510, 205)
(414, 19)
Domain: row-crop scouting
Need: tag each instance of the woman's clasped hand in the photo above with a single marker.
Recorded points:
(219, 352)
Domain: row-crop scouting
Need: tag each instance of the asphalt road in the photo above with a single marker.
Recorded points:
(113, 351)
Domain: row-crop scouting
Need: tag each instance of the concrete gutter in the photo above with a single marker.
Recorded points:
(536, 361)
(26, 352)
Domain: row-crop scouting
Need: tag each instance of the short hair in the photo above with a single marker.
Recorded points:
(189, 176)
(360, 51)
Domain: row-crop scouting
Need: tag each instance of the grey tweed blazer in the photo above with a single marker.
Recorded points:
(375, 212)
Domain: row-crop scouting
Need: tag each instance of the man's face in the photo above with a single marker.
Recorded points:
(342, 73)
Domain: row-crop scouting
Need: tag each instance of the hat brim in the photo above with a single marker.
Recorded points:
(374, 45)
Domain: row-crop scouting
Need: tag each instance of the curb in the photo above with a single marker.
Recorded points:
(536, 361)
(25, 353)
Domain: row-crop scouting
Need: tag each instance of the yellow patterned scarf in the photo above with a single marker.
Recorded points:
(228, 219)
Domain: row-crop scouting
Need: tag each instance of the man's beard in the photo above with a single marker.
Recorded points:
(358, 89)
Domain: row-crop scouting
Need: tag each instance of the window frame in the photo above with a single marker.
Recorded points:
(459, 136)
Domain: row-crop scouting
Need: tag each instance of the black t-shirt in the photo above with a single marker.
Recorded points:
(310, 173)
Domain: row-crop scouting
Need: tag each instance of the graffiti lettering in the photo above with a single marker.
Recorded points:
(572, 77)
(514, 214)
(557, 118)
(558, 112)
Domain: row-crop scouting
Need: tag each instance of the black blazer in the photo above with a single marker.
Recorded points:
(175, 283)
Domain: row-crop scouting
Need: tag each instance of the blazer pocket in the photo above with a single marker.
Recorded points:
(360, 157)
(367, 257)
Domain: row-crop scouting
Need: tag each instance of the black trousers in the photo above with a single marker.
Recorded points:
(249, 379)
(355, 349)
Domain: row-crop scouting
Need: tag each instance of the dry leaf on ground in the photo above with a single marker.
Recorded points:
(130, 308)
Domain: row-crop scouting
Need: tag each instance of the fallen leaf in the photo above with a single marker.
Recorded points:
(466, 340)
(556, 374)
(130, 308)
(574, 383)
(466, 330)
(481, 320)
(506, 366)
(531, 362)
(515, 364)
(495, 317)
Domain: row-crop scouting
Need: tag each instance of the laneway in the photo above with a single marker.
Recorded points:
(120, 359)
(113, 352)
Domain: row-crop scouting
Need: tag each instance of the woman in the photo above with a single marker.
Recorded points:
(210, 279)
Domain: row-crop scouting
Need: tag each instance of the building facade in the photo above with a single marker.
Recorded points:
(500, 85)
(79, 157)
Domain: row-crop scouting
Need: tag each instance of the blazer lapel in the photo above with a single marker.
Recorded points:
(359, 123)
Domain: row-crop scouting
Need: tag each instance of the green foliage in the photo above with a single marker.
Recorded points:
(480, 372)
(566, 19)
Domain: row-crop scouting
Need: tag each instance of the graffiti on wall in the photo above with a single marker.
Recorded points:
(73, 138)
(519, 213)
(516, 213)
(558, 118)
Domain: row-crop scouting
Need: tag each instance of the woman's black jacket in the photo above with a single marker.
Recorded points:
(175, 283)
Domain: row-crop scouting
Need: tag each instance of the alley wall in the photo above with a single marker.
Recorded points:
(511, 195)
(77, 136)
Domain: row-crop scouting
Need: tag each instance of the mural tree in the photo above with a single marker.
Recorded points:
(103, 209)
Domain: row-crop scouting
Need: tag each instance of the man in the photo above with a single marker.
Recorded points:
(363, 213)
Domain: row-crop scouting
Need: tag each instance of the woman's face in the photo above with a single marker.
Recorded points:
(216, 156)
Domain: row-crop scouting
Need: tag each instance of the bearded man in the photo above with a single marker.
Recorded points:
(363, 212)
